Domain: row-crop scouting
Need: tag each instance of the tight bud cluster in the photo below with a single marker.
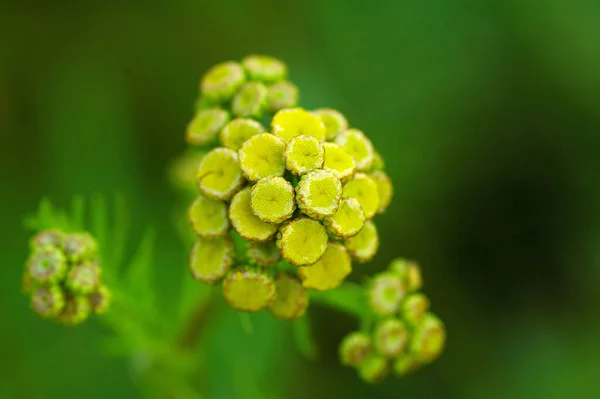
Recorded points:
(63, 277)
(406, 334)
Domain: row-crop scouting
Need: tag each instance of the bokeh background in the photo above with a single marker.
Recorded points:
(487, 113)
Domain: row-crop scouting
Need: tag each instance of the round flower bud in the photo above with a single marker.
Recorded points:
(386, 293)
(364, 189)
(205, 126)
(384, 189)
(76, 310)
(359, 146)
(272, 199)
(302, 241)
(405, 365)
(348, 220)
(303, 154)
(48, 301)
(79, 247)
(291, 299)
(210, 259)
(338, 161)
(182, 172)
(83, 278)
(364, 245)
(47, 238)
(355, 348)
(219, 176)
(208, 217)
(264, 254)
(262, 156)
(282, 95)
(329, 271)
(238, 131)
(100, 299)
(429, 339)
(414, 308)
(264, 68)
(250, 100)
(335, 123)
(292, 122)
(248, 289)
(390, 338)
(318, 194)
(47, 265)
(245, 222)
(409, 272)
(373, 369)
(222, 81)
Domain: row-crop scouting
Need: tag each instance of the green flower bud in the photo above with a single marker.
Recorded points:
(80, 247)
(302, 241)
(359, 146)
(335, 123)
(182, 172)
(355, 348)
(373, 369)
(282, 95)
(384, 189)
(264, 254)
(76, 310)
(292, 122)
(238, 131)
(100, 299)
(48, 301)
(83, 278)
(304, 154)
(250, 100)
(364, 245)
(245, 222)
(390, 338)
(291, 299)
(429, 339)
(386, 293)
(414, 308)
(329, 271)
(222, 81)
(210, 259)
(47, 238)
(348, 220)
(409, 272)
(318, 194)
(264, 68)
(219, 175)
(248, 289)
(364, 189)
(205, 126)
(338, 161)
(272, 199)
(47, 265)
(262, 156)
(208, 217)
(405, 365)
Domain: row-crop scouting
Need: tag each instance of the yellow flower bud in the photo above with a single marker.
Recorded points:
(373, 369)
(348, 220)
(359, 146)
(210, 259)
(390, 338)
(338, 161)
(47, 238)
(83, 278)
(355, 348)
(264, 254)
(238, 131)
(364, 245)
(292, 122)
(47, 265)
(245, 222)
(262, 156)
(304, 154)
(272, 199)
(414, 308)
(291, 299)
(208, 217)
(219, 175)
(205, 126)
(329, 271)
(250, 100)
(386, 293)
(302, 241)
(384, 189)
(364, 189)
(409, 271)
(222, 81)
(264, 68)
(48, 301)
(76, 310)
(282, 95)
(318, 194)
(405, 365)
(429, 339)
(335, 123)
(248, 289)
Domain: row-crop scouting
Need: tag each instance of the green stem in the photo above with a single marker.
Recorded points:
(348, 297)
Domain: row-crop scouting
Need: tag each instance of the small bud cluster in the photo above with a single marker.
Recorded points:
(406, 334)
(305, 190)
(63, 277)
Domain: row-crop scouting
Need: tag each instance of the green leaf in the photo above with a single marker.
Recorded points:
(303, 337)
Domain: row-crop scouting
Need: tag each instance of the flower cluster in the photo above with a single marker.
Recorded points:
(63, 277)
(405, 336)
(300, 195)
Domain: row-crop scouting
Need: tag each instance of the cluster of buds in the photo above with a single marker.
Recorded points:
(301, 194)
(405, 335)
(63, 277)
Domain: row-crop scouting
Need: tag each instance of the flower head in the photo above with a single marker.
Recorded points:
(338, 161)
(429, 339)
(290, 300)
(373, 369)
(329, 271)
(302, 241)
(219, 175)
(304, 154)
(292, 122)
(386, 293)
(262, 156)
(48, 301)
(359, 146)
(211, 259)
(355, 348)
(409, 272)
(414, 308)
(364, 189)
(238, 131)
(264, 68)
(282, 95)
(48, 238)
(245, 222)
(385, 190)
(47, 265)
(248, 289)
(100, 299)
(272, 199)
(363, 246)
(205, 126)
(318, 194)
(79, 247)
(264, 254)
(335, 123)
(390, 338)
(76, 310)
(222, 81)
(208, 217)
(83, 278)
(348, 220)
(250, 100)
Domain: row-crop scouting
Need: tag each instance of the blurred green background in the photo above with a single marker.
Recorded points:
(487, 113)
